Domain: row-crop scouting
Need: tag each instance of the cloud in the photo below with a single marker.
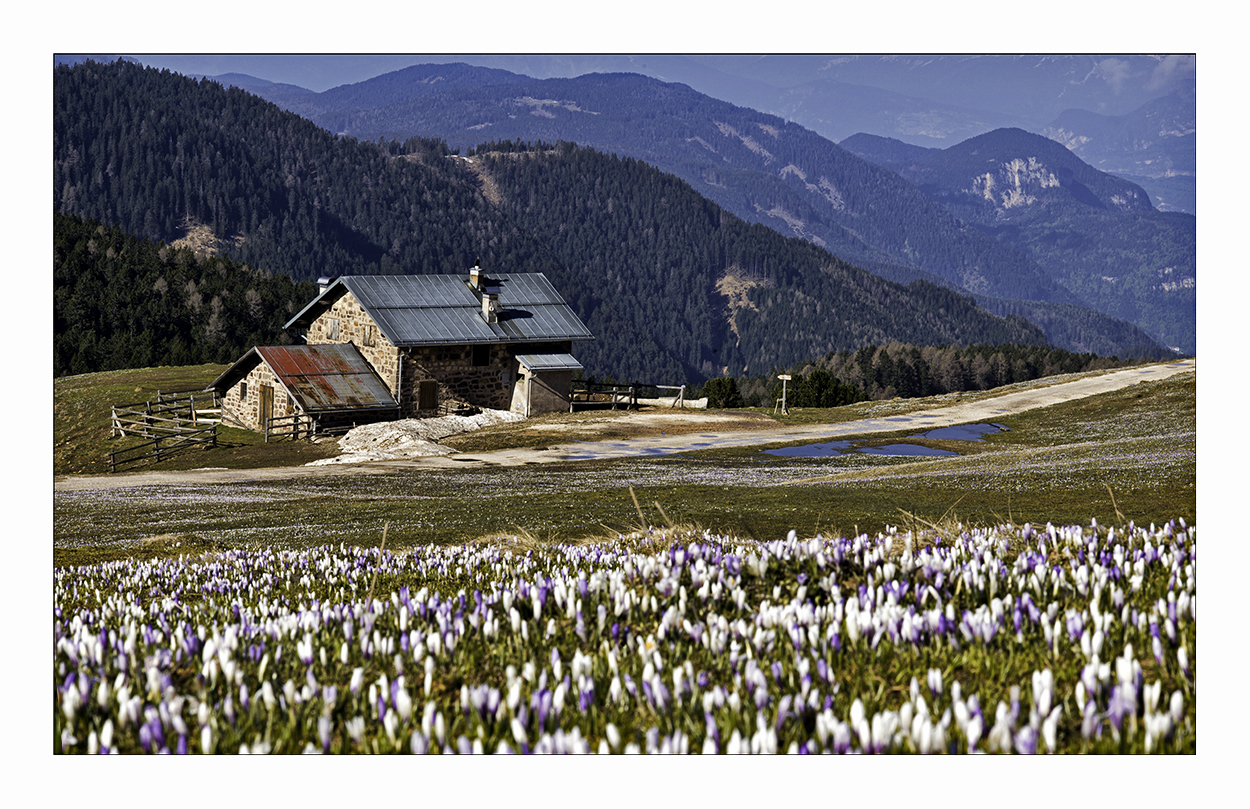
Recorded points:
(1114, 72)
(1171, 69)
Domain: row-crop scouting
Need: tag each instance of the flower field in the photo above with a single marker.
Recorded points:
(1013, 639)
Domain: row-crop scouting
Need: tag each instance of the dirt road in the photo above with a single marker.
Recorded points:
(982, 410)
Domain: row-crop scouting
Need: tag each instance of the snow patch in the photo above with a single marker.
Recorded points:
(410, 438)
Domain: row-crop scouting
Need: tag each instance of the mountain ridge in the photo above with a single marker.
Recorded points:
(150, 150)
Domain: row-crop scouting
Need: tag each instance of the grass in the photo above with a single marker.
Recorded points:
(1061, 464)
(82, 436)
(347, 562)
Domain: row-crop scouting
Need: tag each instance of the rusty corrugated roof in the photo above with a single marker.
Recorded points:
(328, 378)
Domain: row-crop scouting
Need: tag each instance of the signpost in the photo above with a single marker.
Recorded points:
(785, 411)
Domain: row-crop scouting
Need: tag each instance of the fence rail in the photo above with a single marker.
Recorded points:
(171, 421)
(163, 446)
(614, 394)
(169, 408)
(290, 426)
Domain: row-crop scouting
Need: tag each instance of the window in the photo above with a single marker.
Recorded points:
(481, 355)
(243, 391)
(332, 329)
(369, 338)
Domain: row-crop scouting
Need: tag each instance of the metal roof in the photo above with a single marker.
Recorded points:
(328, 378)
(415, 310)
(320, 378)
(549, 362)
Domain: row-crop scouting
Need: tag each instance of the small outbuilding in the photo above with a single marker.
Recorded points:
(331, 385)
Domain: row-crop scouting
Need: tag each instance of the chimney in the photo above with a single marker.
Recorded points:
(475, 274)
(323, 283)
(490, 304)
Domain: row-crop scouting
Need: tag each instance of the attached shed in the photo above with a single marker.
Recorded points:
(331, 384)
(437, 341)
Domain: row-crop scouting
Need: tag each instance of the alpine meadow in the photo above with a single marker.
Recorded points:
(544, 404)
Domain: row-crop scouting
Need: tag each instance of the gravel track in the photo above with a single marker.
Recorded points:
(986, 409)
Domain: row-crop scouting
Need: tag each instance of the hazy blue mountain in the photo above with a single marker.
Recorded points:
(1154, 146)
(673, 286)
(889, 153)
(757, 166)
(1098, 234)
(929, 100)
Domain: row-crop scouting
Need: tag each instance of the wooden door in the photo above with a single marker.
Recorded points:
(266, 404)
(427, 394)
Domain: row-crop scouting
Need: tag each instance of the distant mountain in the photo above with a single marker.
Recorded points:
(673, 286)
(889, 153)
(1096, 233)
(922, 99)
(757, 166)
(1154, 145)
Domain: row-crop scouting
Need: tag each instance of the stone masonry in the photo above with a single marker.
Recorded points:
(246, 409)
(480, 375)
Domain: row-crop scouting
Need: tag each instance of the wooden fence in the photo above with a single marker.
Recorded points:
(295, 426)
(598, 394)
(169, 408)
(174, 421)
(163, 446)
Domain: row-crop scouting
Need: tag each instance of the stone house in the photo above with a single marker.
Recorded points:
(443, 343)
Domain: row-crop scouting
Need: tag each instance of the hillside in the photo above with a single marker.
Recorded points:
(759, 167)
(754, 165)
(148, 150)
(123, 302)
(157, 153)
(1154, 145)
(749, 298)
(1097, 234)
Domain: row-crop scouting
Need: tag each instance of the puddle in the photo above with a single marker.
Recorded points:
(915, 450)
(833, 449)
(830, 449)
(962, 432)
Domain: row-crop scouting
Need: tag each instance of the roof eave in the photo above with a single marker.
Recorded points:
(252, 358)
(334, 287)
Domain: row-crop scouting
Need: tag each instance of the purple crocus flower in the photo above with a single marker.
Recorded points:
(1026, 741)
(783, 708)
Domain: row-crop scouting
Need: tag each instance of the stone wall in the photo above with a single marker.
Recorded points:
(482, 376)
(246, 409)
(347, 322)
